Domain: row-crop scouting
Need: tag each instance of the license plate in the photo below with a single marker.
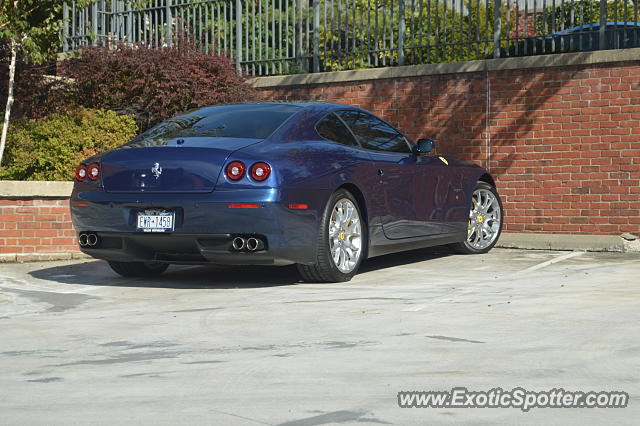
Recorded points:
(156, 221)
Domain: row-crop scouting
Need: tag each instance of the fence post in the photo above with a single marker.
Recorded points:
(603, 24)
(401, 26)
(497, 27)
(94, 24)
(129, 36)
(65, 27)
(316, 35)
(238, 35)
(112, 22)
(169, 20)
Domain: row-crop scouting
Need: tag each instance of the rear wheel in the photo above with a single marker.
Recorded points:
(485, 221)
(138, 269)
(341, 241)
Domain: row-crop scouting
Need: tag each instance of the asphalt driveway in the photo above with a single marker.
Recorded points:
(222, 345)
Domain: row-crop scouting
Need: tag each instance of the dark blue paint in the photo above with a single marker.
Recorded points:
(409, 200)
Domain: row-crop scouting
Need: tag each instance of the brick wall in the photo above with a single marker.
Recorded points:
(34, 229)
(563, 143)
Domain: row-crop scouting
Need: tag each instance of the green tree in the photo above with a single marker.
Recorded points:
(30, 29)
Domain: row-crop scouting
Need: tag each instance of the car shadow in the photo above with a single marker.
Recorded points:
(98, 273)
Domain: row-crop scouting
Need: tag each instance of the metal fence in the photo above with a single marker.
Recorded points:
(268, 37)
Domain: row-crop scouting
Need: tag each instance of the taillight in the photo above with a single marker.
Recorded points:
(235, 170)
(260, 171)
(93, 171)
(81, 172)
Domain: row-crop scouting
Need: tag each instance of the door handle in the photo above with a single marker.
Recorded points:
(380, 172)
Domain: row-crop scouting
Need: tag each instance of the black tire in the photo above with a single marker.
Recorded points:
(324, 269)
(465, 247)
(138, 269)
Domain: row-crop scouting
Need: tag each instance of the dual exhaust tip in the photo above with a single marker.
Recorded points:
(87, 239)
(250, 244)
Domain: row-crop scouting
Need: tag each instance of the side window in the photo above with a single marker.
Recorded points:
(332, 128)
(374, 133)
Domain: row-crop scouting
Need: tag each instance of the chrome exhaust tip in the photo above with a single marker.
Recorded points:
(92, 239)
(254, 244)
(82, 239)
(238, 243)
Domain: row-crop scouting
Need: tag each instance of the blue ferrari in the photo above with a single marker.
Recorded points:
(323, 186)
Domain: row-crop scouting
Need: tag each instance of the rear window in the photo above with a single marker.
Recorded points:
(252, 121)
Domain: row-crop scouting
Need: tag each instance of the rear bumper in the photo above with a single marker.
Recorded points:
(204, 229)
(191, 249)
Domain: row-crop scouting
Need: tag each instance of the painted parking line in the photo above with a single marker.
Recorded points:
(550, 262)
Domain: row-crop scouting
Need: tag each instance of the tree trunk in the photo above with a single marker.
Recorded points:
(7, 111)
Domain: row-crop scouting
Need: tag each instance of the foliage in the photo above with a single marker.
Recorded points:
(153, 84)
(364, 33)
(573, 14)
(29, 28)
(433, 32)
(37, 92)
(51, 148)
(270, 30)
(34, 25)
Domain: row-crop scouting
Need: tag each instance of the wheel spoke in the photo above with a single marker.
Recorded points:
(353, 224)
(349, 213)
(336, 254)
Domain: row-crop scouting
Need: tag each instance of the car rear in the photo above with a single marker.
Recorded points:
(184, 191)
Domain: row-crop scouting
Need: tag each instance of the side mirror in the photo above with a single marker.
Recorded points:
(424, 146)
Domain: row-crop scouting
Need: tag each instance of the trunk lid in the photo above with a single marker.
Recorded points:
(190, 165)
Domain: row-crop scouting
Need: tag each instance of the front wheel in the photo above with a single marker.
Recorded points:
(138, 269)
(485, 221)
(341, 241)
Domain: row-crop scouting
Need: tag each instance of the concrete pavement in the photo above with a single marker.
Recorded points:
(222, 345)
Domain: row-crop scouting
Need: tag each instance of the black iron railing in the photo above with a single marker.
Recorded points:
(268, 37)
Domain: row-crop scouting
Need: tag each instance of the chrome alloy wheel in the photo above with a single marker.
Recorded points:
(345, 232)
(484, 219)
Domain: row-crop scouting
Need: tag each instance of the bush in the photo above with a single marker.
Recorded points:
(153, 84)
(51, 148)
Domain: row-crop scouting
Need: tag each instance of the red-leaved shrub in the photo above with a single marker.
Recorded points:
(36, 91)
(153, 84)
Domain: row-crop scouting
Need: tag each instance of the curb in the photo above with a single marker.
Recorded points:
(628, 243)
(609, 243)
(40, 257)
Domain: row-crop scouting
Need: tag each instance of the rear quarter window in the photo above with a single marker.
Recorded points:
(375, 134)
(332, 128)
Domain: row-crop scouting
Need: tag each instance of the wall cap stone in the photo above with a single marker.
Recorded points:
(524, 62)
(35, 189)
